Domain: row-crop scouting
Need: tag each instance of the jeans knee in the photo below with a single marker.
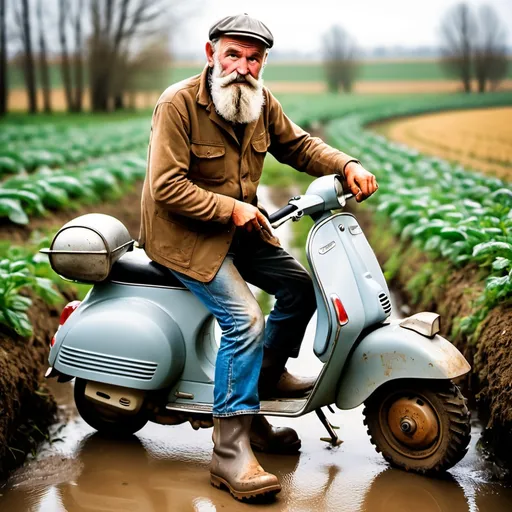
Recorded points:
(255, 323)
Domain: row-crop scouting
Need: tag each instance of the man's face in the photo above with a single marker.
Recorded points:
(243, 55)
(235, 81)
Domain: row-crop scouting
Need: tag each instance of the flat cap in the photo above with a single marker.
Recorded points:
(242, 25)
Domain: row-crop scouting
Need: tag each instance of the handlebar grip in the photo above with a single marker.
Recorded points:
(283, 212)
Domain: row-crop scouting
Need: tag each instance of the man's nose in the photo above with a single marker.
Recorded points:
(242, 66)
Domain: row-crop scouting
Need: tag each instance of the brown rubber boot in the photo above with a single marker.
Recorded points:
(276, 382)
(234, 465)
(267, 438)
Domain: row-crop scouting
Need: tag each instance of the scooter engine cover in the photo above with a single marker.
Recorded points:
(127, 342)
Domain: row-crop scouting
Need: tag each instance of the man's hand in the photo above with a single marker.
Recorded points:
(249, 217)
(361, 182)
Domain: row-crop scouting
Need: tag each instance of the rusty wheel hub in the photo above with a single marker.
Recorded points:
(413, 423)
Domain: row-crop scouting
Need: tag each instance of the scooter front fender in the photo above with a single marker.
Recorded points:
(393, 352)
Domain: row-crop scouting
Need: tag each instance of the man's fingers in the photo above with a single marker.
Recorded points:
(263, 221)
(255, 224)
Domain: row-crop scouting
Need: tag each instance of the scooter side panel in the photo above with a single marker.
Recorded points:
(392, 352)
(125, 341)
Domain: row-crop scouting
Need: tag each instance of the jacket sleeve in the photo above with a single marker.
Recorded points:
(168, 165)
(291, 145)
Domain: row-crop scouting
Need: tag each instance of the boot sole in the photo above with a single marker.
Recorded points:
(220, 483)
(290, 449)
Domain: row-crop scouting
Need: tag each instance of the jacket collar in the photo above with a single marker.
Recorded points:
(203, 94)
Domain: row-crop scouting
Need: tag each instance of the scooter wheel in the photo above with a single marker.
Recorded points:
(107, 422)
(419, 425)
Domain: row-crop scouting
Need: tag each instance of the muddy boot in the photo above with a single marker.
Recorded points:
(267, 438)
(234, 465)
(276, 382)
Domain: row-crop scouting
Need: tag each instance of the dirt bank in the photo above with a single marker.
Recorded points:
(429, 285)
(26, 408)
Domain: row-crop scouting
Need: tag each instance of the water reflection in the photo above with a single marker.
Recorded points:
(399, 491)
(123, 476)
(134, 475)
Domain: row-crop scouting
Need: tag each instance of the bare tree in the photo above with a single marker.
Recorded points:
(490, 58)
(114, 29)
(65, 65)
(23, 21)
(78, 58)
(457, 29)
(43, 61)
(3, 61)
(340, 59)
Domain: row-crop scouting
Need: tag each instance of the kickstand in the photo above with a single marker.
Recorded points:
(334, 440)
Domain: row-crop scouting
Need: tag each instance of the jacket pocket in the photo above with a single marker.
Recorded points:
(208, 162)
(259, 150)
(174, 241)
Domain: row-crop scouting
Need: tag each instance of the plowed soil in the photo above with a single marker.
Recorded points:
(479, 139)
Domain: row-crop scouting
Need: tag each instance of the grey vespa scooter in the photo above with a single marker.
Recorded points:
(142, 347)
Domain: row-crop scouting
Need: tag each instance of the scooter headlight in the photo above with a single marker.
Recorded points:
(340, 193)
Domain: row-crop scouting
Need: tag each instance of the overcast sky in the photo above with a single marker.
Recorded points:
(298, 23)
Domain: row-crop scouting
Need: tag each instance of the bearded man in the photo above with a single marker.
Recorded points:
(200, 218)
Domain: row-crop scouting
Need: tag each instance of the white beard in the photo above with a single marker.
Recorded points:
(237, 103)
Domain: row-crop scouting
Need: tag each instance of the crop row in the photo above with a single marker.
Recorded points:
(24, 149)
(29, 195)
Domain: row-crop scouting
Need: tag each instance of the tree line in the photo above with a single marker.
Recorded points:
(109, 47)
(472, 48)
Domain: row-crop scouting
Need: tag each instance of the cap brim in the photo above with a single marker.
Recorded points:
(247, 34)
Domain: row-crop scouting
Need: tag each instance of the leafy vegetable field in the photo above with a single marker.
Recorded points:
(52, 166)
(446, 209)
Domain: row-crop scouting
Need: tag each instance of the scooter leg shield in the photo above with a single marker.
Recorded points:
(392, 352)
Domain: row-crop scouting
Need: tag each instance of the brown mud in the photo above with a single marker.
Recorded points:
(26, 408)
(452, 293)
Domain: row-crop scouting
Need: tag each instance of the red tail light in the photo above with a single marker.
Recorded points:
(66, 313)
(340, 310)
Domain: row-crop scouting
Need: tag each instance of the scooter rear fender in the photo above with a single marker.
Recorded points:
(392, 352)
(129, 342)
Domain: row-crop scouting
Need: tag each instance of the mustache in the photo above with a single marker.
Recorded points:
(237, 78)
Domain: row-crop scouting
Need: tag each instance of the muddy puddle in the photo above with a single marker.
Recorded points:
(165, 468)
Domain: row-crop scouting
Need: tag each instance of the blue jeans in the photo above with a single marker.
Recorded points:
(244, 333)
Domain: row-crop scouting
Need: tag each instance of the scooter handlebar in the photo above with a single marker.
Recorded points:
(283, 212)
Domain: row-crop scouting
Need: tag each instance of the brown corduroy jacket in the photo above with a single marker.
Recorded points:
(197, 168)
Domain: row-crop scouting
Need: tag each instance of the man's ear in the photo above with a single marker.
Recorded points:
(209, 53)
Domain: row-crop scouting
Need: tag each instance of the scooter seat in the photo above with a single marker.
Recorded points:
(135, 267)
